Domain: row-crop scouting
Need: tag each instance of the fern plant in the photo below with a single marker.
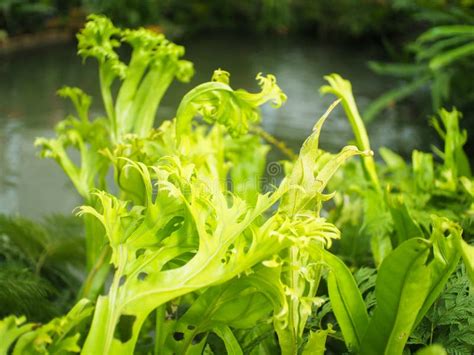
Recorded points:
(41, 266)
(443, 58)
(197, 254)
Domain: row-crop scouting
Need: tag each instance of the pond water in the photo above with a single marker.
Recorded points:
(29, 108)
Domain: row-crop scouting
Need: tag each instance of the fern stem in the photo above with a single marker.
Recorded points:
(280, 145)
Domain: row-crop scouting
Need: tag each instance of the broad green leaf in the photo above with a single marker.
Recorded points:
(239, 303)
(346, 301)
(401, 289)
(445, 237)
(221, 251)
(409, 280)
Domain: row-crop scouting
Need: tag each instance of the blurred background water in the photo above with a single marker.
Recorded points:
(29, 107)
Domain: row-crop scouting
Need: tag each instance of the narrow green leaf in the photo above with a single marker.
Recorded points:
(231, 344)
(396, 69)
(404, 225)
(447, 57)
(393, 96)
(446, 31)
(467, 253)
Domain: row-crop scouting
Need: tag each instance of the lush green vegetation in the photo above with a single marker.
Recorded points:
(381, 19)
(189, 250)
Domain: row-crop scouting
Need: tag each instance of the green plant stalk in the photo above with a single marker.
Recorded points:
(362, 138)
(108, 101)
(159, 329)
(95, 239)
(149, 96)
(297, 318)
(290, 334)
(343, 90)
(97, 275)
(128, 91)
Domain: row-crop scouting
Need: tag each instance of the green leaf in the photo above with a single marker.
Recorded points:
(377, 223)
(445, 31)
(393, 160)
(231, 345)
(434, 349)
(239, 303)
(467, 253)
(448, 128)
(401, 289)
(447, 57)
(217, 102)
(409, 280)
(343, 89)
(346, 300)
(154, 64)
(423, 170)
(11, 328)
(393, 96)
(213, 229)
(404, 224)
(396, 69)
(56, 336)
(316, 344)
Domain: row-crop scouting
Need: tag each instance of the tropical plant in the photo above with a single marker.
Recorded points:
(153, 65)
(193, 231)
(401, 206)
(207, 259)
(409, 211)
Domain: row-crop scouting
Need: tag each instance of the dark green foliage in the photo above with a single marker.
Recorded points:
(40, 265)
(440, 59)
(20, 15)
(24, 293)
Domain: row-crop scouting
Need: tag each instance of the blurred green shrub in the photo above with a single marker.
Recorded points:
(439, 60)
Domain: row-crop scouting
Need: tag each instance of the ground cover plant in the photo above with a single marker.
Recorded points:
(189, 251)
